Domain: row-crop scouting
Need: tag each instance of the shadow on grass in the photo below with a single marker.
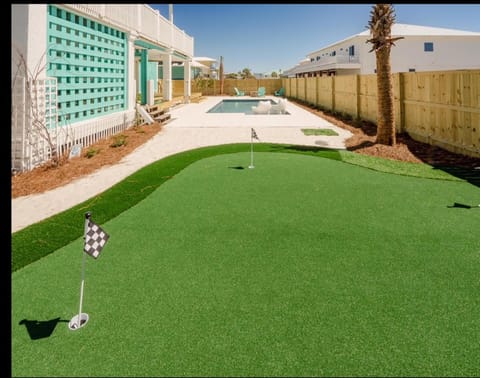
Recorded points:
(471, 175)
(238, 167)
(39, 329)
(310, 150)
(463, 206)
(364, 144)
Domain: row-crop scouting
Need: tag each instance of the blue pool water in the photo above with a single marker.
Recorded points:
(237, 106)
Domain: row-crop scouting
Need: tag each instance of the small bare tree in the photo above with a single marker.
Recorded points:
(38, 130)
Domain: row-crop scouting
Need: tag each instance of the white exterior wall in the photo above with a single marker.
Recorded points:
(29, 37)
(367, 59)
(187, 80)
(167, 76)
(341, 49)
(449, 53)
(131, 74)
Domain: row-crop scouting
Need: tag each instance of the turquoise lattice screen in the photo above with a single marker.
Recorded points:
(89, 61)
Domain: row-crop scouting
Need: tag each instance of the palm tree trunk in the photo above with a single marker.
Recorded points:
(221, 75)
(386, 116)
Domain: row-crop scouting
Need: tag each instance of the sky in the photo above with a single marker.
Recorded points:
(273, 37)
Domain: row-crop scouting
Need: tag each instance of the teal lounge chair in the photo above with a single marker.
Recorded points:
(280, 92)
(238, 93)
(261, 92)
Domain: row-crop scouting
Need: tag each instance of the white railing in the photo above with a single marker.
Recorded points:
(142, 19)
(326, 62)
(19, 122)
(348, 59)
(123, 14)
(181, 40)
(36, 135)
(91, 131)
(34, 122)
(149, 20)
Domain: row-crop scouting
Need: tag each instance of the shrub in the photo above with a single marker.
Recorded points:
(119, 140)
(91, 152)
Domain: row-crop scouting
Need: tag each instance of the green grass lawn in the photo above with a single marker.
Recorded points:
(328, 132)
(302, 266)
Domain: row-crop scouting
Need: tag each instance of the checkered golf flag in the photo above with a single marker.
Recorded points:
(254, 135)
(95, 239)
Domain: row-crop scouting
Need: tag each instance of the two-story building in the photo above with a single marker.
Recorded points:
(78, 71)
(422, 48)
(204, 67)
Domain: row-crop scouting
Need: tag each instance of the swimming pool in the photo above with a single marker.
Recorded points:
(238, 106)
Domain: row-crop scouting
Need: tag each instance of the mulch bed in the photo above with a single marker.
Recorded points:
(102, 154)
(406, 148)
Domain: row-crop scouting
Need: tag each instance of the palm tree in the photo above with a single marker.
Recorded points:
(380, 24)
(246, 73)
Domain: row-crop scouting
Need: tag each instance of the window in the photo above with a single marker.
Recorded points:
(428, 46)
(411, 70)
(351, 50)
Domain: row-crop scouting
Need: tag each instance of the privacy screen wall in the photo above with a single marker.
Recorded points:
(89, 61)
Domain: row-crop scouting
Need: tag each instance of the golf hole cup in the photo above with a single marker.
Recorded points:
(73, 324)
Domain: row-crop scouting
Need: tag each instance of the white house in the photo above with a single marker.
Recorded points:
(78, 71)
(211, 69)
(422, 48)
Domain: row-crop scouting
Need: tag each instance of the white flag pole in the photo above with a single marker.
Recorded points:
(76, 322)
(83, 279)
(251, 150)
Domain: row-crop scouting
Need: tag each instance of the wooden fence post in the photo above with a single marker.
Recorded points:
(357, 96)
(401, 104)
(333, 93)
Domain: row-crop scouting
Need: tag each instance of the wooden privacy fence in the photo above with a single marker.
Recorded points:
(211, 87)
(440, 108)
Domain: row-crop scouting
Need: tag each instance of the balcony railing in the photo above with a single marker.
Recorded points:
(143, 19)
(328, 62)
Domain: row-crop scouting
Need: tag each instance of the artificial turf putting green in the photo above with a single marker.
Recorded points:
(302, 266)
(328, 132)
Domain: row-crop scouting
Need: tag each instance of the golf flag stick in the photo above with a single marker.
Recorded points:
(95, 239)
(79, 319)
(253, 135)
(77, 323)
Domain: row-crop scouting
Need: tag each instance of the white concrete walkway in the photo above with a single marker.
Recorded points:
(191, 127)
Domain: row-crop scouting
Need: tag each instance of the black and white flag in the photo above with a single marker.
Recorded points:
(254, 135)
(95, 239)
